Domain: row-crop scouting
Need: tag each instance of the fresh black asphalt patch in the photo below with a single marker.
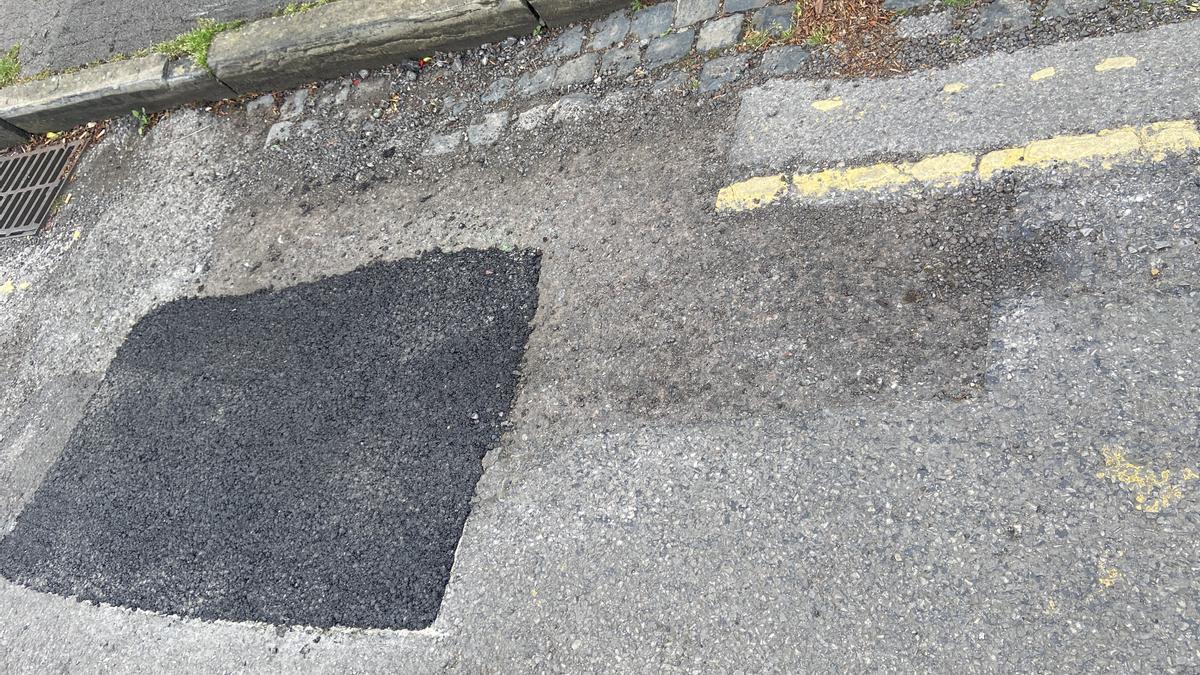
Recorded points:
(299, 456)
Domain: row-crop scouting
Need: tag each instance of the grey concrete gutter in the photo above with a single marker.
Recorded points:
(279, 53)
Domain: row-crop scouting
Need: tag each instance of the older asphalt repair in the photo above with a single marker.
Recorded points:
(301, 456)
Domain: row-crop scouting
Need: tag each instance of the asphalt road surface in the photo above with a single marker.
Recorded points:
(826, 373)
(59, 34)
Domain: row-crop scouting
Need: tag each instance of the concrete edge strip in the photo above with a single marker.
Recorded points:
(277, 53)
(1105, 148)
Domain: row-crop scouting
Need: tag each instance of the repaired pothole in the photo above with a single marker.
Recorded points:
(299, 456)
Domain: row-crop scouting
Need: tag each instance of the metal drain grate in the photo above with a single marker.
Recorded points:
(29, 182)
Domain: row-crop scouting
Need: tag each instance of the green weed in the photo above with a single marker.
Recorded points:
(294, 8)
(10, 66)
(196, 43)
(819, 36)
(143, 121)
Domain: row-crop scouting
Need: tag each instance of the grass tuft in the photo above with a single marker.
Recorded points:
(10, 66)
(196, 43)
(294, 8)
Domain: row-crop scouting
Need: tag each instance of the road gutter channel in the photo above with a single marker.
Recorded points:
(278, 53)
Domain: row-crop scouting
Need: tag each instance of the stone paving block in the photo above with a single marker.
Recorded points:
(652, 22)
(443, 144)
(532, 84)
(1062, 9)
(280, 132)
(915, 27)
(732, 6)
(488, 131)
(621, 61)
(293, 106)
(1001, 16)
(610, 31)
(720, 33)
(578, 71)
(500, 88)
(773, 20)
(784, 60)
(688, 12)
(568, 44)
(898, 5)
(720, 72)
(670, 48)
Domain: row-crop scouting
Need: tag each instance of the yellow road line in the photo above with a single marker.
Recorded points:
(1149, 143)
(1043, 74)
(1116, 63)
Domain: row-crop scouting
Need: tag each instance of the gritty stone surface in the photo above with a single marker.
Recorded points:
(443, 144)
(498, 90)
(651, 22)
(774, 19)
(536, 82)
(261, 105)
(293, 106)
(621, 61)
(488, 131)
(331, 435)
(783, 60)
(610, 31)
(732, 6)
(670, 48)
(1063, 9)
(1000, 16)
(899, 400)
(688, 12)
(916, 27)
(719, 72)
(898, 5)
(720, 34)
(280, 132)
(577, 71)
(533, 118)
(566, 45)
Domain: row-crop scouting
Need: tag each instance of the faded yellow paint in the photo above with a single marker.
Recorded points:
(24, 285)
(947, 169)
(1000, 160)
(1153, 490)
(827, 104)
(751, 193)
(6, 288)
(954, 87)
(75, 235)
(1103, 148)
(1043, 74)
(1084, 148)
(1116, 63)
(871, 177)
(1108, 576)
(1169, 138)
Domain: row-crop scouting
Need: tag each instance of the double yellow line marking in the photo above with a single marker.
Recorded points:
(1149, 143)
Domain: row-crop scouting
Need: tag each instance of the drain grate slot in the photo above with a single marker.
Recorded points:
(29, 183)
